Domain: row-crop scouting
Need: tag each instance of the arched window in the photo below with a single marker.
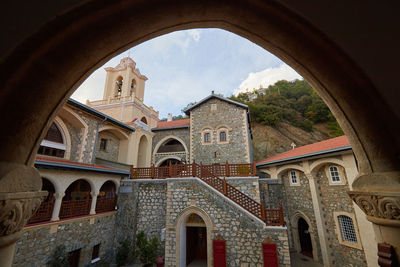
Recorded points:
(118, 87)
(53, 143)
(293, 177)
(347, 230)
(222, 136)
(334, 174)
(206, 136)
(133, 87)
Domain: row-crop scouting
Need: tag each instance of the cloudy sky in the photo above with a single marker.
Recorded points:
(185, 66)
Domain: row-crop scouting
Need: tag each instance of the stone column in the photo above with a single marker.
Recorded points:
(94, 201)
(318, 219)
(20, 196)
(378, 196)
(57, 206)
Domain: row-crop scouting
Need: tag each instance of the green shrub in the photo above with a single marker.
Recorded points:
(123, 253)
(147, 250)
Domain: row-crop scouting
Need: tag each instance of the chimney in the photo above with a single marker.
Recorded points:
(212, 92)
(169, 118)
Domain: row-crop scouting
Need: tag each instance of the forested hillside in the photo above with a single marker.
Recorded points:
(287, 112)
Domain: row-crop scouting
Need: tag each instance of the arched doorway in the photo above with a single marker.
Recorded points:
(45, 210)
(142, 152)
(304, 238)
(196, 241)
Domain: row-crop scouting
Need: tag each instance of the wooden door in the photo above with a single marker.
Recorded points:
(219, 249)
(74, 257)
(270, 255)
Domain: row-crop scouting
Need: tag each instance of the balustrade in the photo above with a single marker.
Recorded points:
(72, 208)
(211, 174)
(43, 213)
(106, 204)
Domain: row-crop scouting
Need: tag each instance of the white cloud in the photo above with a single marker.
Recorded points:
(195, 33)
(267, 77)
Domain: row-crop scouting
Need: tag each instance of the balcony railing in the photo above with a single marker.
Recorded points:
(211, 174)
(189, 170)
(106, 204)
(72, 208)
(43, 213)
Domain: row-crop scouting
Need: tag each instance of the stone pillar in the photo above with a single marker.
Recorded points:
(319, 219)
(20, 196)
(378, 196)
(57, 206)
(94, 201)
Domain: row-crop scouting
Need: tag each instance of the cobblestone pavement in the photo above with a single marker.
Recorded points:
(299, 260)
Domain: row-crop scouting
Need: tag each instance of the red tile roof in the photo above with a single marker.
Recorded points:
(306, 150)
(72, 163)
(169, 124)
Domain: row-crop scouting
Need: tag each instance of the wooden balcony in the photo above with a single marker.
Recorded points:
(106, 204)
(190, 170)
(72, 208)
(43, 213)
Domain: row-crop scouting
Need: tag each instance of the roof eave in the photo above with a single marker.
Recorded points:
(55, 165)
(170, 128)
(305, 156)
(98, 114)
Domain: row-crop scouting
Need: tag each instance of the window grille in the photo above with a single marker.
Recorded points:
(347, 229)
(222, 136)
(207, 138)
(334, 172)
(293, 177)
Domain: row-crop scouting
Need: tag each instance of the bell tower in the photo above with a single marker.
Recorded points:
(124, 81)
(124, 94)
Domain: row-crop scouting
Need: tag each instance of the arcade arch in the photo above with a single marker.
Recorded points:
(180, 229)
(143, 152)
(36, 51)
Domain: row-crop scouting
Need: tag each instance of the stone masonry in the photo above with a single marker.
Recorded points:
(236, 150)
(112, 147)
(243, 236)
(37, 245)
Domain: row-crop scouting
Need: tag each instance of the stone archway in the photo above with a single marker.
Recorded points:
(361, 96)
(180, 229)
(295, 232)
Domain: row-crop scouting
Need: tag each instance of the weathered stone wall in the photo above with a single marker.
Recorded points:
(243, 236)
(237, 150)
(247, 185)
(298, 198)
(334, 198)
(152, 208)
(37, 245)
(182, 133)
(112, 147)
(142, 207)
(76, 137)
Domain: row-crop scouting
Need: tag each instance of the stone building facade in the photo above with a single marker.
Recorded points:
(323, 223)
(217, 131)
